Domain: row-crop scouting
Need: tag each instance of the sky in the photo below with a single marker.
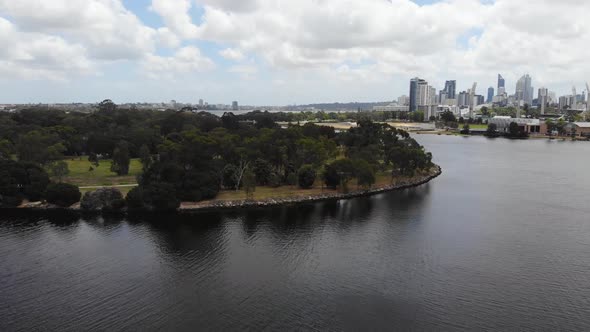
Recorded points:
(283, 52)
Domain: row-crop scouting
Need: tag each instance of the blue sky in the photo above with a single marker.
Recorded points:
(277, 52)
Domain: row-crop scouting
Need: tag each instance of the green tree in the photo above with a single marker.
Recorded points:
(306, 176)
(39, 147)
(249, 183)
(364, 173)
(59, 170)
(145, 156)
(62, 194)
(492, 130)
(6, 149)
(121, 159)
(466, 130)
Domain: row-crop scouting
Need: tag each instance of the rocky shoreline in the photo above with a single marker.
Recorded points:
(217, 205)
(244, 204)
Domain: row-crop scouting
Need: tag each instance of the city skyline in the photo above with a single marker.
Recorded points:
(280, 52)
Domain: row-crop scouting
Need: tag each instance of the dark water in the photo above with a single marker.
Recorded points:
(501, 241)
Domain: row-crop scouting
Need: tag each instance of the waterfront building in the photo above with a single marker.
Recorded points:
(234, 106)
(417, 86)
(524, 90)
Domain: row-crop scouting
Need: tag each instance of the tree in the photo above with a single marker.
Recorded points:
(306, 176)
(59, 169)
(121, 159)
(39, 147)
(104, 199)
(364, 173)
(62, 194)
(448, 116)
(21, 180)
(145, 156)
(466, 130)
(249, 183)
(6, 149)
(160, 197)
(262, 169)
(492, 130)
(107, 105)
(93, 159)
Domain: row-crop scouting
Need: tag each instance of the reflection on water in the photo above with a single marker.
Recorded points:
(497, 242)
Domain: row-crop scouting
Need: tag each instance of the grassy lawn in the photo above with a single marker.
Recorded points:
(475, 126)
(81, 176)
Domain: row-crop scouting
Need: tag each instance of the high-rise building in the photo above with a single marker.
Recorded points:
(234, 106)
(463, 99)
(450, 89)
(501, 83)
(479, 100)
(524, 90)
(200, 102)
(490, 94)
(417, 86)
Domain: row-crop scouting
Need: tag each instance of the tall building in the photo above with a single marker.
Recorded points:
(450, 89)
(501, 83)
(490, 94)
(479, 100)
(463, 99)
(543, 94)
(524, 90)
(201, 102)
(417, 85)
(234, 106)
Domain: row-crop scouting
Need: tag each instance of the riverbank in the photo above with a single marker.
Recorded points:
(415, 181)
(227, 204)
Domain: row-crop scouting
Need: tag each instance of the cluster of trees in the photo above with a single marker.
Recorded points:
(322, 116)
(189, 156)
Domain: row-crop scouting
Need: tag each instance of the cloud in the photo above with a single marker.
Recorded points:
(40, 56)
(185, 61)
(105, 27)
(175, 14)
(232, 54)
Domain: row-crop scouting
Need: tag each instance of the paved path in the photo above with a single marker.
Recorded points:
(114, 186)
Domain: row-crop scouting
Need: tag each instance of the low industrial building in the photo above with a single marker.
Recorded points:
(582, 129)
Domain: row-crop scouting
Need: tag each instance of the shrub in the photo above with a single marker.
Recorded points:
(104, 199)
(292, 179)
(153, 197)
(306, 176)
(62, 194)
(20, 180)
(134, 199)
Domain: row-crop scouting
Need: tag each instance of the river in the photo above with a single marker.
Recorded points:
(500, 241)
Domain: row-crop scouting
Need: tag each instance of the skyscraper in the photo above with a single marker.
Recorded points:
(450, 89)
(417, 86)
(524, 90)
(234, 106)
(490, 94)
(501, 83)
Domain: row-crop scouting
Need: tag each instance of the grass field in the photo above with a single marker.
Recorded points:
(101, 176)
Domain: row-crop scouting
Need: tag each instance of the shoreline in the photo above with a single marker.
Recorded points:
(219, 205)
(435, 172)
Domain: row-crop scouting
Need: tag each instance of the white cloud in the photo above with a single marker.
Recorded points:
(186, 60)
(232, 54)
(375, 40)
(39, 56)
(176, 16)
(105, 27)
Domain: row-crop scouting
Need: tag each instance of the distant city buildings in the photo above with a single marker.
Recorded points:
(234, 106)
(422, 97)
(403, 100)
(490, 95)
